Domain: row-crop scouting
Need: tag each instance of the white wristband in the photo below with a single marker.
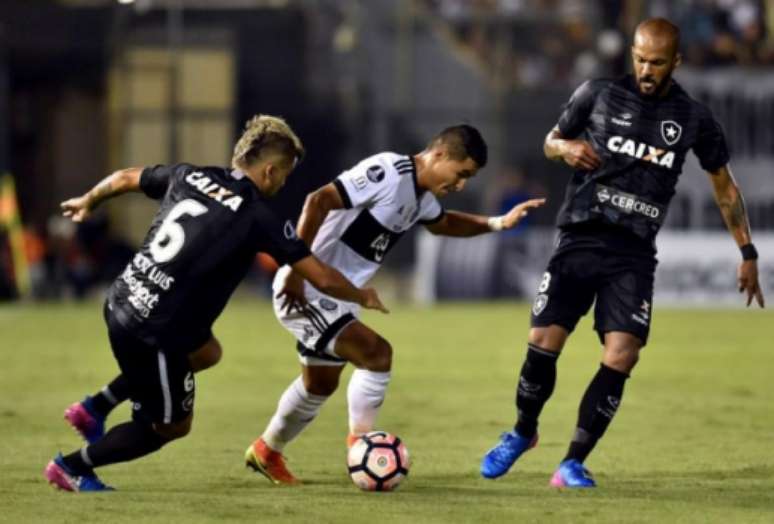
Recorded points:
(495, 223)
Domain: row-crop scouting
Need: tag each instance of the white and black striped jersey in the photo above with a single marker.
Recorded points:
(382, 201)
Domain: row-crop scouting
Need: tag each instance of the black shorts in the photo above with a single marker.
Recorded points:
(161, 382)
(622, 285)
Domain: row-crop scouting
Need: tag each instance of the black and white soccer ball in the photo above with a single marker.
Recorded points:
(378, 461)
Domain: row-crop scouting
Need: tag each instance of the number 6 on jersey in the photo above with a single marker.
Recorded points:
(170, 237)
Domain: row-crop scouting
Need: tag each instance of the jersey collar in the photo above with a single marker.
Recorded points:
(417, 190)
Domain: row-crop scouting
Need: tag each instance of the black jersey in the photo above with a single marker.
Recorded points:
(642, 143)
(202, 242)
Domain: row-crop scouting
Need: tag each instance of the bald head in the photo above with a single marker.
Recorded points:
(655, 55)
(659, 33)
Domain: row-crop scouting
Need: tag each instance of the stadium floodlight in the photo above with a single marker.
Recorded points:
(126, 2)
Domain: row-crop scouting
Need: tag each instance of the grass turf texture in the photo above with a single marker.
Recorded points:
(691, 443)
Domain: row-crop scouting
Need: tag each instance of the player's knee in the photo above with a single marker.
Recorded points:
(213, 355)
(551, 338)
(174, 430)
(622, 358)
(379, 357)
(206, 357)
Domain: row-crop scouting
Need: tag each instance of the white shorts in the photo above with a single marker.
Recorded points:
(317, 327)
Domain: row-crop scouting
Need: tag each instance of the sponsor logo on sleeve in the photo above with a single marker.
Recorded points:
(375, 174)
(290, 231)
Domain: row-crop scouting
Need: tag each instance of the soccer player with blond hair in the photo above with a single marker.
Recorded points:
(159, 312)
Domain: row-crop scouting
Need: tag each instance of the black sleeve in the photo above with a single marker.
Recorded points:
(154, 180)
(710, 147)
(343, 193)
(576, 112)
(280, 240)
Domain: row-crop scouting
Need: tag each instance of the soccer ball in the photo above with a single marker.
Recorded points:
(378, 461)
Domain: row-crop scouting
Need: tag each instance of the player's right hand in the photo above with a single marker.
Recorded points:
(371, 300)
(292, 292)
(580, 155)
(747, 280)
(78, 209)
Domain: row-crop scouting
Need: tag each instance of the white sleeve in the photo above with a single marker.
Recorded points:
(430, 210)
(363, 185)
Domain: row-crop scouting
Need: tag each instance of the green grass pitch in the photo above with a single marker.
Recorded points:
(692, 442)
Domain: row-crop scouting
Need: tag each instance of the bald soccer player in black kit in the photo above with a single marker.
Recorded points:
(626, 141)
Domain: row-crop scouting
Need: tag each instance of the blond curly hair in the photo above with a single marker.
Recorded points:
(263, 133)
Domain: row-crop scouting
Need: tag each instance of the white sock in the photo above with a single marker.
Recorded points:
(365, 395)
(296, 409)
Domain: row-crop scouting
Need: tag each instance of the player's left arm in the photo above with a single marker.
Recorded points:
(731, 203)
(121, 181)
(316, 207)
(459, 224)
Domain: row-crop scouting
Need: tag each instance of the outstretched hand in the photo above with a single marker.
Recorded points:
(513, 217)
(78, 208)
(371, 300)
(747, 278)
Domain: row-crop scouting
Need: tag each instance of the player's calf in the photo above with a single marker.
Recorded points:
(175, 430)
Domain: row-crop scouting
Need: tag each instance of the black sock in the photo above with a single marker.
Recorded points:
(599, 404)
(110, 396)
(536, 383)
(123, 442)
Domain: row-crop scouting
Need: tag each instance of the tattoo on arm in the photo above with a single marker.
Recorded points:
(735, 216)
(119, 182)
(735, 213)
(103, 190)
(731, 204)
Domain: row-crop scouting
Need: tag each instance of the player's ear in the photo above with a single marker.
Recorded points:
(678, 60)
(441, 151)
(269, 171)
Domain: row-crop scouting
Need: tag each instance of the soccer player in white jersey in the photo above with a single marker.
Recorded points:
(351, 224)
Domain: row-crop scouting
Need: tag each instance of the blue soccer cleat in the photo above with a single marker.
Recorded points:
(572, 474)
(59, 475)
(500, 458)
(85, 420)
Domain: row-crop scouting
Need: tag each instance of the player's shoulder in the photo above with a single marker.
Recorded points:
(385, 165)
(387, 159)
(698, 108)
(595, 86)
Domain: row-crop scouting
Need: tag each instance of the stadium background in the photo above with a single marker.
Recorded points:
(89, 86)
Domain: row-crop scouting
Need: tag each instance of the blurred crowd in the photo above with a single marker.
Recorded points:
(534, 43)
(77, 261)
(64, 259)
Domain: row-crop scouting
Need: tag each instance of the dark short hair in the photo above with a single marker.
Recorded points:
(463, 141)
